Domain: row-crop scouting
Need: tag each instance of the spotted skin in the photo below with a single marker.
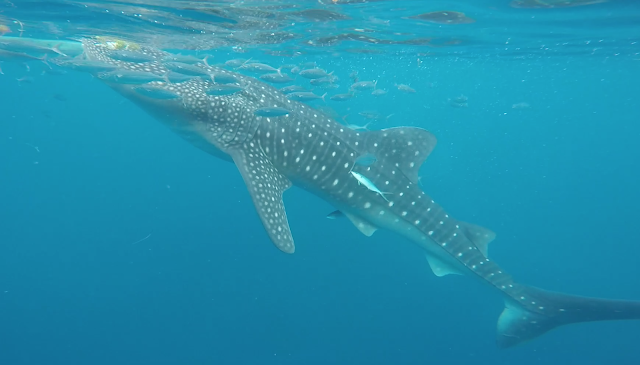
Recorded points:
(311, 150)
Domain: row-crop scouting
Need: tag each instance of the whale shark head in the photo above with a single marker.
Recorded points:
(204, 104)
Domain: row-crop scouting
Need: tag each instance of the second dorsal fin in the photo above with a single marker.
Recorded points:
(480, 236)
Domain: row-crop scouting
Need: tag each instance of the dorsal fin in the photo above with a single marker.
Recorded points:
(406, 148)
(480, 236)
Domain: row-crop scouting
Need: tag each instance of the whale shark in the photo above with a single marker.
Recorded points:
(306, 148)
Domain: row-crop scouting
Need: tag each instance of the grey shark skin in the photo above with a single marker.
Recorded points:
(310, 150)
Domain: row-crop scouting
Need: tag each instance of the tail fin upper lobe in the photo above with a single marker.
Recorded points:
(541, 311)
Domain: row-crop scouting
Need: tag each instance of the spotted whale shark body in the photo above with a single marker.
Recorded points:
(312, 151)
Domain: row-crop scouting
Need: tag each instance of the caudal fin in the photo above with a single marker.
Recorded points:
(538, 311)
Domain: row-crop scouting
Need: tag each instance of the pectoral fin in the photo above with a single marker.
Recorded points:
(363, 226)
(440, 268)
(266, 185)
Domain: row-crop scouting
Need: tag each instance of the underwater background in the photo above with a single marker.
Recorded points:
(120, 243)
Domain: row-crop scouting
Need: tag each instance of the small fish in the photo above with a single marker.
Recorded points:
(295, 70)
(336, 214)
(129, 56)
(356, 127)
(156, 92)
(258, 67)
(459, 102)
(364, 85)
(354, 76)
(522, 105)
(178, 77)
(328, 86)
(324, 80)
(223, 78)
(20, 57)
(224, 89)
(87, 65)
(53, 71)
(25, 80)
(305, 96)
(276, 78)
(378, 92)
(271, 112)
(368, 184)
(186, 69)
(459, 99)
(130, 77)
(367, 159)
(373, 115)
(406, 88)
(375, 20)
(314, 73)
(235, 63)
(288, 67)
(341, 97)
(458, 105)
(186, 59)
(27, 47)
(291, 89)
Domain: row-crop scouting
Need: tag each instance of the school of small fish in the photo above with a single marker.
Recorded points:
(304, 81)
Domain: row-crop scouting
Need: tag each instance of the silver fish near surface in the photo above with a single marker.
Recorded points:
(292, 89)
(235, 63)
(314, 73)
(28, 48)
(367, 159)
(129, 56)
(374, 115)
(341, 97)
(323, 80)
(368, 184)
(186, 69)
(459, 102)
(364, 85)
(319, 155)
(258, 67)
(379, 92)
(156, 92)
(223, 89)
(12, 56)
(406, 88)
(130, 77)
(304, 96)
(85, 65)
(189, 59)
(276, 78)
(223, 78)
(178, 77)
(271, 112)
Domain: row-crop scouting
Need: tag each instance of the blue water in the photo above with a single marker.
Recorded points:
(122, 244)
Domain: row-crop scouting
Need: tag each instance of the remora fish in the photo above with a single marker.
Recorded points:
(318, 154)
